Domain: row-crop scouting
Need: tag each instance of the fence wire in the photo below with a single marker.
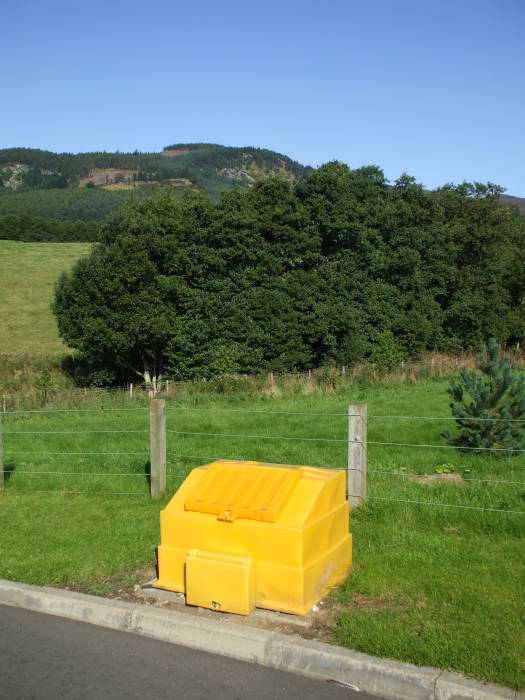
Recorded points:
(105, 454)
(68, 432)
(216, 409)
(440, 447)
(446, 505)
(407, 475)
(258, 437)
(173, 473)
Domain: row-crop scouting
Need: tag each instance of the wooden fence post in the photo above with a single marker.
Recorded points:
(356, 479)
(157, 434)
(167, 387)
(131, 391)
(1, 457)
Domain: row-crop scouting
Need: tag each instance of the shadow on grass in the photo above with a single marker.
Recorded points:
(9, 470)
(69, 366)
(83, 374)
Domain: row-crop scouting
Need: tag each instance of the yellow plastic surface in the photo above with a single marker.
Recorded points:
(244, 533)
(232, 491)
(232, 581)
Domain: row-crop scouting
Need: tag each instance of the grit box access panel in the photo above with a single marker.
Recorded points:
(242, 534)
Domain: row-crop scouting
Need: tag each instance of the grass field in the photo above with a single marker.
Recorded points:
(28, 272)
(431, 584)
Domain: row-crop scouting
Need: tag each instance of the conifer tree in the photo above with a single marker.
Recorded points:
(489, 405)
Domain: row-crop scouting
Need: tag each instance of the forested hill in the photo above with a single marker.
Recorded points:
(204, 166)
(46, 196)
(518, 202)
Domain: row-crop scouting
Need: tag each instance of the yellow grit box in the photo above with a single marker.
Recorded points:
(242, 534)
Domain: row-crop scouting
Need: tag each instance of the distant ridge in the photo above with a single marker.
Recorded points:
(207, 167)
(515, 202)
(85, 187)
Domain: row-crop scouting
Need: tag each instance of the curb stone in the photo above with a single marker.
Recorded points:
(389, 679)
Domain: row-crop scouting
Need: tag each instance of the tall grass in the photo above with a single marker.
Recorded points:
(18, 373)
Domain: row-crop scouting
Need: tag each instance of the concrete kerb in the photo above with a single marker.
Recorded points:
(390, 679)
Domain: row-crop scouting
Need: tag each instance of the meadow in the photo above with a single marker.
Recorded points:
(29, 272)
(438, 574)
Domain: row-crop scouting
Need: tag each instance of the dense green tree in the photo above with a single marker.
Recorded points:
(115, 310)
(340, 267)
(486, 286)
(39, 229)
(43, 181)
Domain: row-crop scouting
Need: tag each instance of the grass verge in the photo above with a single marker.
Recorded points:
(432, 585)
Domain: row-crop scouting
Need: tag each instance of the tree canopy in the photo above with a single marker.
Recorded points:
(282, 277)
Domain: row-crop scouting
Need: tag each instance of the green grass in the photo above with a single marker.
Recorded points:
(430, 585)
(28, 272)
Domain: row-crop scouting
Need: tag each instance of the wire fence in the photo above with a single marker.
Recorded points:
(180, 462)
(215, 409)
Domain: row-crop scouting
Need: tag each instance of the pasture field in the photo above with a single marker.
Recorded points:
(28, 272)
(435, 581)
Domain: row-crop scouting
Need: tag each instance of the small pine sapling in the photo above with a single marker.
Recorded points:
(489, 405)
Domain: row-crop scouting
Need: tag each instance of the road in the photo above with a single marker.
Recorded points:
(44, 657)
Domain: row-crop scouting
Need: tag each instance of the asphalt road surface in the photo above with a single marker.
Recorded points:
(44, 657)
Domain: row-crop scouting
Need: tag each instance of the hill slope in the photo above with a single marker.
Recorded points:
(46, 196)
(205, 166)
(515, 202)
(29, 272)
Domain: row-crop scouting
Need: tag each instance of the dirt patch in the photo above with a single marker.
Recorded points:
(120, 186)
(128, 586)
(453, 530)
(451, 478)
(373, 603)
(320, 624)
(174, 152)
(176, 182)
(119, 585)
(325, 621)
(106, 176)
(445, 477)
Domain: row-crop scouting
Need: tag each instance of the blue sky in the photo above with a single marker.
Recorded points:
(435, 89)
